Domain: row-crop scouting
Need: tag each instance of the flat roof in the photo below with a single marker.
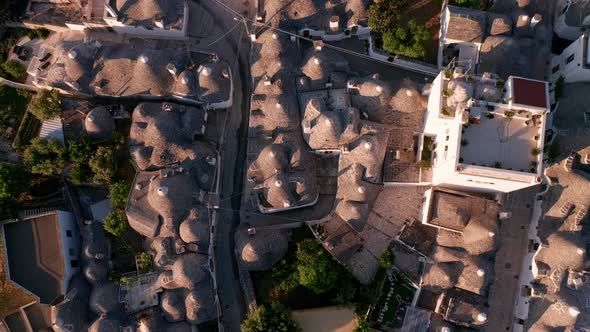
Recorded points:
(529, 92)
(500, 142)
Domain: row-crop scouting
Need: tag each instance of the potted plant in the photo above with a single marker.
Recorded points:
(448, 74)
(535, 151)
(489, 115)
(446, 111)
(500, 84)
(448, 92)
(464, 142)
(498, 164)
(508, 114)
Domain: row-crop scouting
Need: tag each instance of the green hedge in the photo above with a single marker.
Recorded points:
(28, 129)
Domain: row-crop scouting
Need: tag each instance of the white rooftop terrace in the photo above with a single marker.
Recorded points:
(486, 134)
(501, 142)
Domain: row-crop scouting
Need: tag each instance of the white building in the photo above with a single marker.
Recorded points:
(462, 31)
(572, 63)
(484, 134)
(571, 16)
(42, 253)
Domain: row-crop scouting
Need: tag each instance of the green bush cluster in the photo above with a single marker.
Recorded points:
(407, 39)
(46, 104)
(103, 164)
(14, 182)
(118, 194)
(40, 33)
(15, 70)
(475, 4)
(116, 223)
(47, 157)
(274, 318)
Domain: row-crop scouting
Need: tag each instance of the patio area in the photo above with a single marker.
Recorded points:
(500, 142)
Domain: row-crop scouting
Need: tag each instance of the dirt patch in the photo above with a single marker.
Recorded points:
(326, 319)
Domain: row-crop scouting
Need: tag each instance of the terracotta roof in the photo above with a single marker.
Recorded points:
(529, 92)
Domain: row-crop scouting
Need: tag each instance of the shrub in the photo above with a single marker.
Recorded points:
(103, 164)
(317, 270)
(446, 111)
(46, 104)
(45, 157)
(80, 151)
(15, 70)
(448, 92)
(118, 194)
(475, 4)
(144, 262)
(464, 142)
(386, 260)
(448, 74)
(28, 128)
(79, 174)
(535, 151)
(274, 318)
(362, 325)
(384, 15)
(407, 41)
(498, 164)
(115, 223)
(14, 181)
(40, 33)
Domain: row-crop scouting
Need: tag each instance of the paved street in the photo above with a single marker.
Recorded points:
(213, 29)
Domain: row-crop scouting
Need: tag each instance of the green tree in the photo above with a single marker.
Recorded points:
(144, 262)
(14, 181)
(45, 157)
(385, 14)
(15, 70)
(285, 273)
(103, 164)
(40, 33)
(317, 269)
(118, 194)
(274, 318)
(116, 223)
(475, 4)
(386, 260)
(79, 174)
(80, 151)
(46, 105)
(362, 326)
(407, 41)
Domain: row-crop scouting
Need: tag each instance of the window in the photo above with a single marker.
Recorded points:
(75, 263)
(69, 233)
(570, 58)
(555, 69)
